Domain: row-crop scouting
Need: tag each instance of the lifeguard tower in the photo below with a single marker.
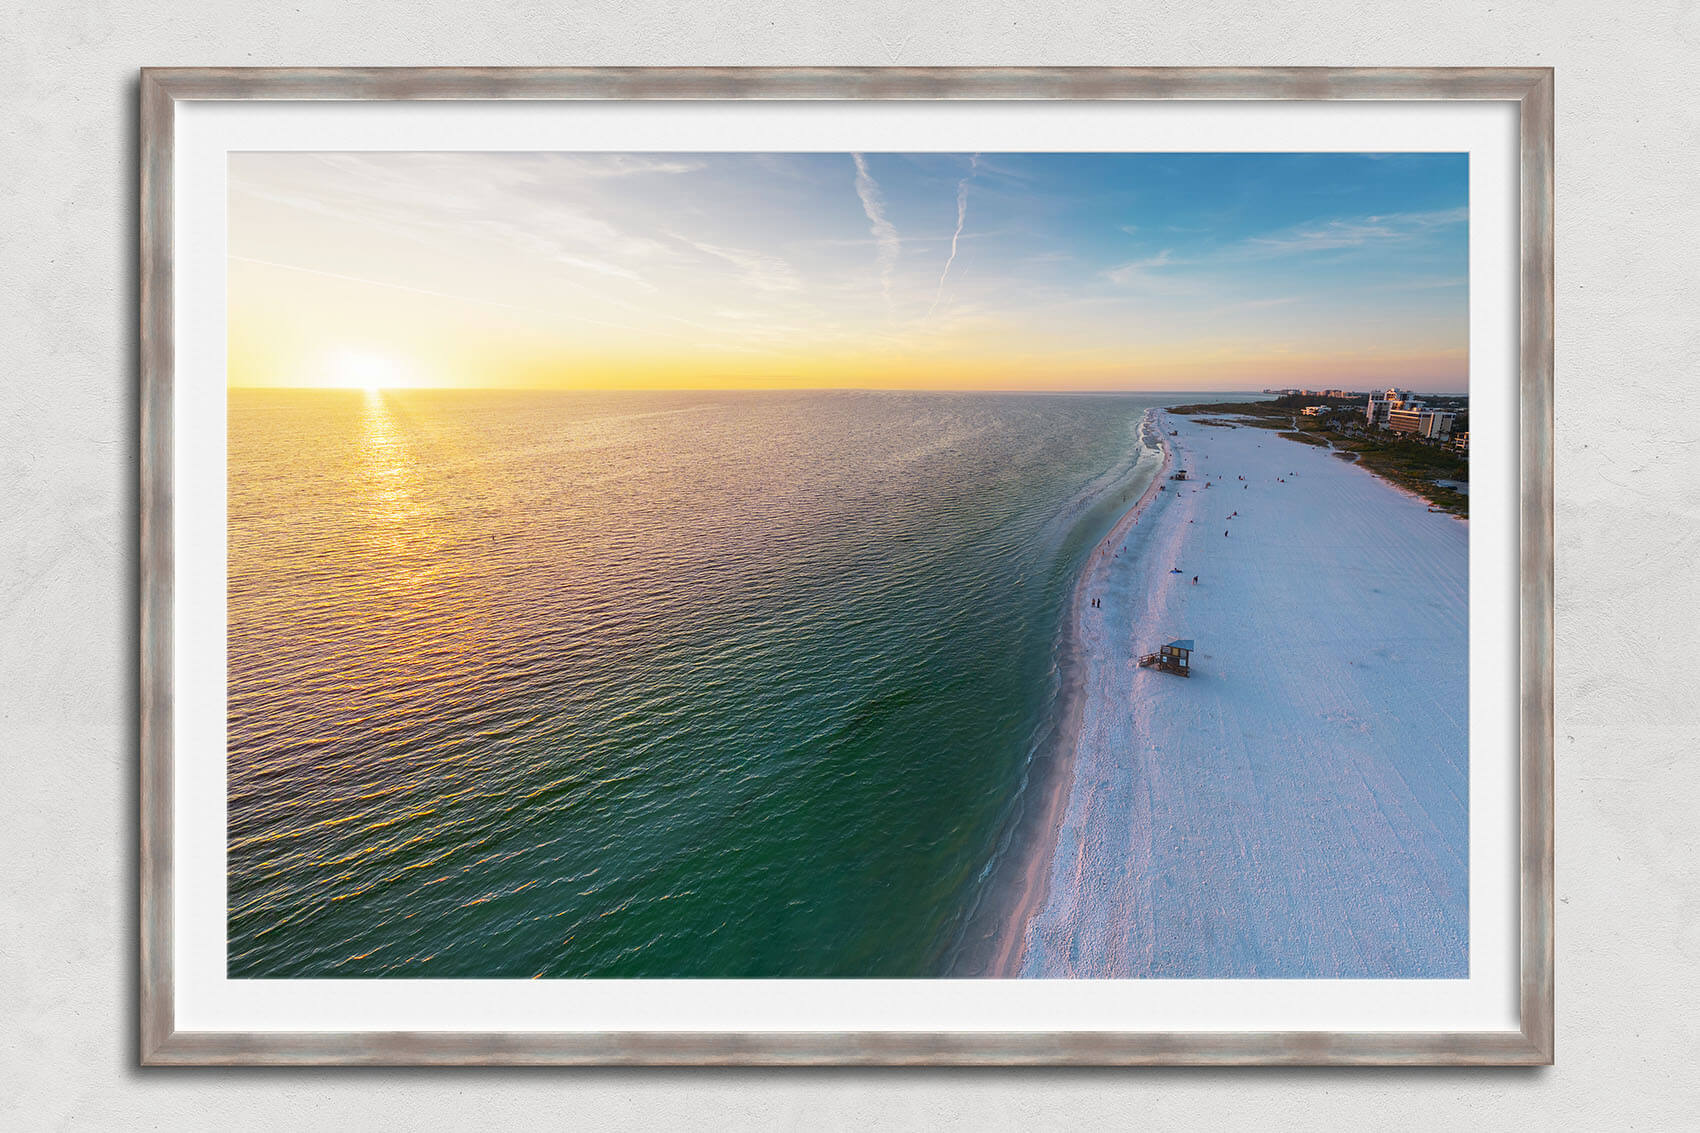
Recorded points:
(1175, 657)
(1180, 474)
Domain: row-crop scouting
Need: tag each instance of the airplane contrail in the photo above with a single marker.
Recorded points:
(961, 217)
(884, 232)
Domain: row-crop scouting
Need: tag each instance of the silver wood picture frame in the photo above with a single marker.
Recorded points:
(164, 1043)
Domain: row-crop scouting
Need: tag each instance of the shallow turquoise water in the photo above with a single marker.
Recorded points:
(642, 685)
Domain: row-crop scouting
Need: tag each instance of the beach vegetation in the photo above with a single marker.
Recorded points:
(1409, 462)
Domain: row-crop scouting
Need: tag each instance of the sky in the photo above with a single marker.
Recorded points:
(871, 270)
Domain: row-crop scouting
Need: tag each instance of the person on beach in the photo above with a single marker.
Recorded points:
(1195, 580)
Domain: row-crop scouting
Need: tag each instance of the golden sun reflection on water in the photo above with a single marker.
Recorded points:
(534, 683)
(423, 593)
(399, 518)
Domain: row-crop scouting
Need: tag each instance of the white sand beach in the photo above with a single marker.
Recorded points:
(1298, 806)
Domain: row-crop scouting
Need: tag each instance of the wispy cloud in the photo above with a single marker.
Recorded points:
(1006, 171)
(762, 271)
(603, 267)
(551, 312)
(519, 204)
(1138, 271)
(1423, 284)
(626, 164)
(885, 234)
(620, 261)
(961, 219)
(1254, 304)
(1355, 232)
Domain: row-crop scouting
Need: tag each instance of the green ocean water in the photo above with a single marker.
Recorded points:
(721, 685)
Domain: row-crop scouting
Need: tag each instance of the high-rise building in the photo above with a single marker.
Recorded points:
(1383, 403)
(1435, 424)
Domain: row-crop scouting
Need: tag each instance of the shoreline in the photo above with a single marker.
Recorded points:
(1033, 888)
(1299, 807)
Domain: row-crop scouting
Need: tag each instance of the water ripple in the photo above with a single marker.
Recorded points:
(640, 685)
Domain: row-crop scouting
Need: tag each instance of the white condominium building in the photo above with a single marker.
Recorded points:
(1383, 403)
(1435, 424)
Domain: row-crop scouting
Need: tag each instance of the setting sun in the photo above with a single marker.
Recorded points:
(913, 271)
(846, 567)
(362, 369)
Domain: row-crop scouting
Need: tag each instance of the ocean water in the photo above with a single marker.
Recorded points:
(673, 684)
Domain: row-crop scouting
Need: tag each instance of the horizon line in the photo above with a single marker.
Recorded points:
(777, 389)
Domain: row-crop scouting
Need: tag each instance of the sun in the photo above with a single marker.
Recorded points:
(364, 369)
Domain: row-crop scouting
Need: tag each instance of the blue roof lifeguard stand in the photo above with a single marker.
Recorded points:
(1175, 657)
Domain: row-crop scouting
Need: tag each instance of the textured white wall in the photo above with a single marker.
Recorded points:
(1628, 491)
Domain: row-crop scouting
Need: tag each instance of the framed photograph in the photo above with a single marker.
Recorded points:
(781, 567)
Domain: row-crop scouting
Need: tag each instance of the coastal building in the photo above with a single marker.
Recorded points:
(1383, 403)
(1461, 443)
(1402, 420)
(1432, 424)
(1312, 410)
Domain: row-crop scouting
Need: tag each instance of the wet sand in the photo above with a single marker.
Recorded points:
(1298, 807)
(1002, 951)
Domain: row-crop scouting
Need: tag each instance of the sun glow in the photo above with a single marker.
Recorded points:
(362, 369)
(585, 271)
